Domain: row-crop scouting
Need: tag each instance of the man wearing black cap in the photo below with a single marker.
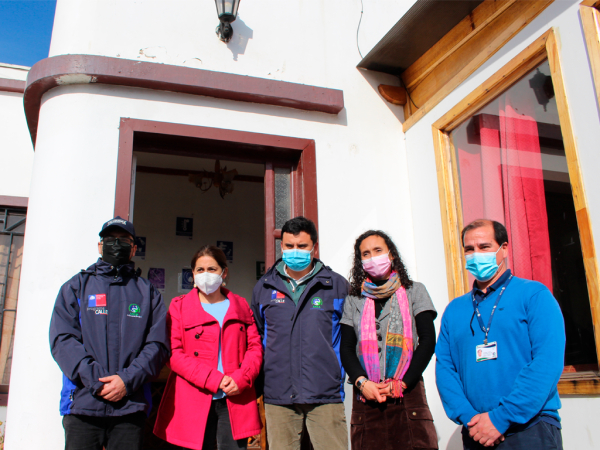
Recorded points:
(108, 335)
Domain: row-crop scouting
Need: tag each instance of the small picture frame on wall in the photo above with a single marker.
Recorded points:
(140, 242)
(227, 247)
(184, 226)
(156, 276)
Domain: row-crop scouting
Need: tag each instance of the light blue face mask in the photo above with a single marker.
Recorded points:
(483, 265)
(296, 259)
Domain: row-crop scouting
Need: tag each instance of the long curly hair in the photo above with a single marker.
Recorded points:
(358, 275)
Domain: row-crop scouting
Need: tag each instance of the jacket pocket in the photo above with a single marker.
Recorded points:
(422, 430)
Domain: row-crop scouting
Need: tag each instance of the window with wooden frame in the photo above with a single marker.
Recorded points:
(507, 152)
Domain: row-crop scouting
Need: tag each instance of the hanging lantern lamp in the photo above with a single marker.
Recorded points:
(227, 11)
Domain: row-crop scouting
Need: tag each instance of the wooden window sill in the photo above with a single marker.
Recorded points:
(579, 383)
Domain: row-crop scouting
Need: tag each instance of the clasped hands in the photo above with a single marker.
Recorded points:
(113, 390)
(229, 386)
(377, 391)
(482, 430)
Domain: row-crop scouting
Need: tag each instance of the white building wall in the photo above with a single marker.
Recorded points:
(359, 152)
(305, 41)
(16, 149)
(578, 413)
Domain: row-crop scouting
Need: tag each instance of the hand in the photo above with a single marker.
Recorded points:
(385, 389)
(500, 439)
(370, 391)
(482, 430)
(113, 390)
(230, 387)
(224, 382)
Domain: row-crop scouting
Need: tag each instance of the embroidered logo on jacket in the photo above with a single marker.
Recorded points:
(96, 300)
(97, 303)
(317, 302)
(134, 311)
(277, 297)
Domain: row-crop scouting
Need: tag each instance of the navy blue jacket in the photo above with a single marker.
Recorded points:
(302, 343)
(108, 322)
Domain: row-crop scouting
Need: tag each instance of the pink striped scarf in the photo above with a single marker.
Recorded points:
(398, 342)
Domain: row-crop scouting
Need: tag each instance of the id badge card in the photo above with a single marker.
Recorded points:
(485, 352)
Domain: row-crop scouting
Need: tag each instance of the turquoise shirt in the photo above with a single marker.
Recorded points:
(218, 311)
(296, 289)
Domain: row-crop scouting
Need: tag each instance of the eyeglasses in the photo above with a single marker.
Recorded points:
(109, 240)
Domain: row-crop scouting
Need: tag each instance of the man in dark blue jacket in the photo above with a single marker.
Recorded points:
(108, 335)
(298, 305)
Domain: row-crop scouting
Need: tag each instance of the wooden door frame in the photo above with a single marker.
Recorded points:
(245, 146)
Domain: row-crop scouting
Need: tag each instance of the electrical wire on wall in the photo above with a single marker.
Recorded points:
(358, 29)
(407, 92)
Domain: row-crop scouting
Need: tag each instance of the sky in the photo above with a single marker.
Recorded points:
(25, 30)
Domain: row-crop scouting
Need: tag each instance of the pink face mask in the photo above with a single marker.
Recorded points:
(378, 266)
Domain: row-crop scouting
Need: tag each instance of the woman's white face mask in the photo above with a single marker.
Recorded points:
(208, 282)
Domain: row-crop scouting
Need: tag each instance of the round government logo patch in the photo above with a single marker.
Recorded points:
(134, 310)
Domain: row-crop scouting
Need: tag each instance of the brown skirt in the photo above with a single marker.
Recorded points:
(404, 423)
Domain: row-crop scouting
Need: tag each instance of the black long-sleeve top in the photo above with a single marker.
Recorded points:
(421, 356)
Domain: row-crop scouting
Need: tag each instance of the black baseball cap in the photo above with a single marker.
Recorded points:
(120, 223)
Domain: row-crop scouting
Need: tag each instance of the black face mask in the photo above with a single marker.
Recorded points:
(116, 254)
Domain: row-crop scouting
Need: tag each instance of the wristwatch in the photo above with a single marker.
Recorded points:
(359, 383)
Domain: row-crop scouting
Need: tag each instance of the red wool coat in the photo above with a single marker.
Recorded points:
(194, 379)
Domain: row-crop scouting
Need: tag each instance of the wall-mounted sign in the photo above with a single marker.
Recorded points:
(141, 247)
(185, 226)
(260, 269)
(227, 247)
(156, 276)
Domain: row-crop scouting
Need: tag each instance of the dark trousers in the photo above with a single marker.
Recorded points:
(541, 436)
(218, 429)
(113, 433)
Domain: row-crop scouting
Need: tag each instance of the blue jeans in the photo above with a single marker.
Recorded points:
(541, 436)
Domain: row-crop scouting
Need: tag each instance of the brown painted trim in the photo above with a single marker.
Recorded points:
(7, 201)
(270, 251)
(10, 85)
(185, 173)
(309, 181)
(124, 168)
(51, 72)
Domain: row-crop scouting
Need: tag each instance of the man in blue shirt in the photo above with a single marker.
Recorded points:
(500, 352)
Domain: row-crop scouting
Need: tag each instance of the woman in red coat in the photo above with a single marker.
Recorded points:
(216, 355)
